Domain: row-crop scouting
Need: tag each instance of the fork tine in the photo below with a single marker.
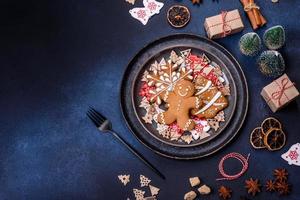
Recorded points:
(99, 114)
(96, 116)
(96, 122)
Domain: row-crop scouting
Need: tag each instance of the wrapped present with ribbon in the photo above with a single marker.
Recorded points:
(279, 93)
(226, 23)
(253, 11)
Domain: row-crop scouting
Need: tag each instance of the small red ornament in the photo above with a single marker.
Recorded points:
(174, 127)
(199, 128)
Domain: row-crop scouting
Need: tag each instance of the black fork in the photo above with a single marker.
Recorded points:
(104, 125)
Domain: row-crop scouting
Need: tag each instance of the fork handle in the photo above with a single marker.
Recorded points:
(137, 154)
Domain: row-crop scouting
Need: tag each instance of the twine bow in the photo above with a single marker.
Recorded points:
(225, 26)
(244, 161)
(282, 88)
(251, 6)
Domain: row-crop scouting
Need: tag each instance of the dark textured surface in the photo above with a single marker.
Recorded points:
(58, 57)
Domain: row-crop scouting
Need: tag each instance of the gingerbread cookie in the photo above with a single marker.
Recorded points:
(160, 94)
(181, 100)
(213, 99)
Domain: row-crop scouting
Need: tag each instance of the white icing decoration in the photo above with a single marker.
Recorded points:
(188, 123)
(197, 102)
(215, 104)
(215, 98)
(162, 116)
(182, 95)
(166, 96)
(208, 85)
(204, 135)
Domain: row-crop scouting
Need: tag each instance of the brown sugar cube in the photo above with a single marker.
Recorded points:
(204, 189)
(194, 181)
(190, 195)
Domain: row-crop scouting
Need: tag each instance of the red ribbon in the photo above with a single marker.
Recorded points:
(239, 157)
(225, 26)
(278, 94)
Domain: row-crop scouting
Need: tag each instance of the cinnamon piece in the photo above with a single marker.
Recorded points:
(250, 15)
(262, 18)
(254, 15)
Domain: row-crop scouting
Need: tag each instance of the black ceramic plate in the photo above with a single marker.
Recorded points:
(146, 133)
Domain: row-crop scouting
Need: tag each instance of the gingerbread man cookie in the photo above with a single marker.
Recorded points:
(213, 99)
(181, 100)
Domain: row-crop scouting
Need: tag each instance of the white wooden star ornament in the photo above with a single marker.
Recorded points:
(124, 179)
(130, 1)
(154, 190)
(144, 181)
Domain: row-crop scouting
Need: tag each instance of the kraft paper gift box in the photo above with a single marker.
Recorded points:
(279, 93)
(223, 24)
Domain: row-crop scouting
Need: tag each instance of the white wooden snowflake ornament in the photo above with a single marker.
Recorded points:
(130, 1)
(185, 53)
(163, 130)
(143, 14)
(154, 190)
(187, 138)
(144, 181)
(213, 123)
(124, 179)
(138, 194)
(195, 134)
(220, 117)
(148, 118)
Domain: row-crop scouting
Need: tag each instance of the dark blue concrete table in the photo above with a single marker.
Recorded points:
(58, 57)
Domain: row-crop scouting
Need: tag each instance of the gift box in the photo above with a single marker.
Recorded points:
(279, 93)
(223, 24)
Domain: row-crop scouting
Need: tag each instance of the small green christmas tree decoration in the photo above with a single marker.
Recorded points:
(274, 37)
(271, 63)
(250, 44)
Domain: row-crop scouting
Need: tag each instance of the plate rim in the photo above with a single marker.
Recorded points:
(219, 46)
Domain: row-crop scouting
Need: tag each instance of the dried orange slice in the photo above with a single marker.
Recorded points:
(274, 139)
(257, 138)
(269, 123)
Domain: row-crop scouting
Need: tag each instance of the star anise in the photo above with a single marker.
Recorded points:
(280, 174)
(270, 186)
(195, 1)
(283, 187)
(252, 186)
(224, 192)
